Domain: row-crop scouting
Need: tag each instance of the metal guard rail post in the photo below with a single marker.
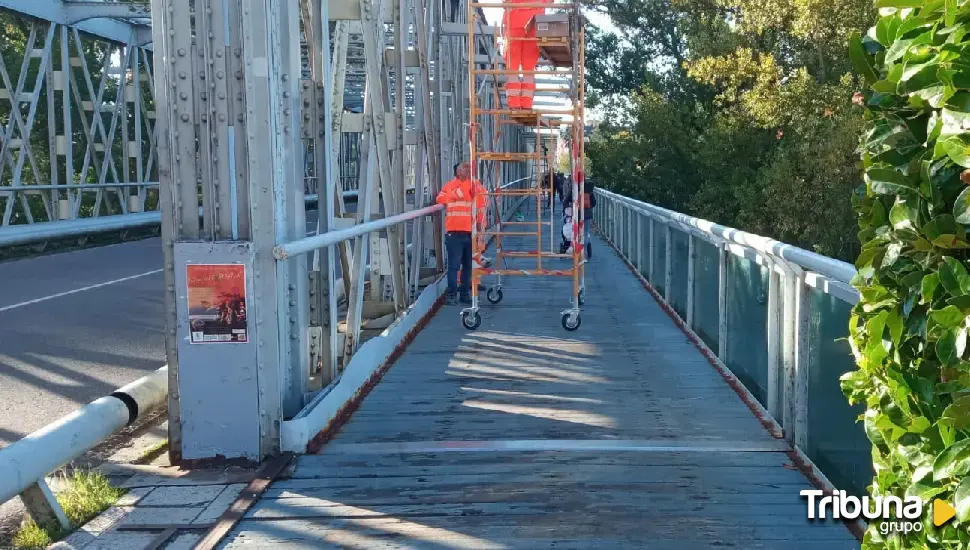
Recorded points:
(644, 234)
(24, 464)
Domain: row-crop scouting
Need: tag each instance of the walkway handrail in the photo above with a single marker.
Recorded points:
(29, 233)
(25, 464)
(830, 267)
(13, 235)
(773, 318)
(309, 244)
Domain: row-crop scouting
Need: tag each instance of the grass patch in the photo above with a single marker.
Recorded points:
(86, 495)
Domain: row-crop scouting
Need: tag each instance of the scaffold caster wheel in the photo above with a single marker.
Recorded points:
(582, 296)
(471, 319)
(571, 322)
(494, 295)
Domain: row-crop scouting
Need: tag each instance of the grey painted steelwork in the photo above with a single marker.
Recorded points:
(218, 133)
(85, 147)
(99, 19)
(212, 425)
(80, 152)
(268, 107)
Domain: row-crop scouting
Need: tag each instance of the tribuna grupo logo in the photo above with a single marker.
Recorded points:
(894, 514)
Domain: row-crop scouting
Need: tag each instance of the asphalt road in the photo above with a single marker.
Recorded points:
(75, 326)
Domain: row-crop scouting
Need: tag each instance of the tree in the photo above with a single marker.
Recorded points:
(752, 98)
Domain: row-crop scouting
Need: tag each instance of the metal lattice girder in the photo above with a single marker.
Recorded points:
(266, 103)
(51, 167)
(96, 18)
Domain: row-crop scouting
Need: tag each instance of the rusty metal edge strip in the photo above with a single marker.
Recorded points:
(858, 526)
(162, 526)
(799, 459)
(325, 435)
(161, 539)
(266, 474)
(348, 408)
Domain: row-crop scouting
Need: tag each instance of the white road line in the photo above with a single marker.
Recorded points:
(75, 291)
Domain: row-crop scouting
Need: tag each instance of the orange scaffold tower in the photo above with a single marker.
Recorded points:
(551, 46)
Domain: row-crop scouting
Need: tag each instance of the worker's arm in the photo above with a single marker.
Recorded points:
(447, 194)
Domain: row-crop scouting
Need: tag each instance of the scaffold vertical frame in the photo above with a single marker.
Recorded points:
(565, 56)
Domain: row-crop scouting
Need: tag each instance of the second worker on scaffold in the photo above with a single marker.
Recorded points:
(521, 53)
(457, 196)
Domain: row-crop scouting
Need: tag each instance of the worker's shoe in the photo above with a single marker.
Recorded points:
(452, 299)
(465, 299)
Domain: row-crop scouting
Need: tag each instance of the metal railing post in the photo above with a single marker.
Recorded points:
(802, 328)
(42, 506)
(639, 258)
(789, 350)
(621, 233)
(722, 302)
(691, 255)
(775, 333)
(651, 252)
(668, 263)
(628, 232)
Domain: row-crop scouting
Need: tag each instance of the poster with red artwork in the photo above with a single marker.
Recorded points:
(217, 303)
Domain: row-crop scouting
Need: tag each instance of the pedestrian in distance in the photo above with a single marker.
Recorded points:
(587, 202)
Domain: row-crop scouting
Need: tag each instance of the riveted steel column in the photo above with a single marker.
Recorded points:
(228, 80)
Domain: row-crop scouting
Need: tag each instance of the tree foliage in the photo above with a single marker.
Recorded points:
(909, 332)
(733, 110)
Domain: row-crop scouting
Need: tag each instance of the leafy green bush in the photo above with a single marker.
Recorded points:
(909, 331)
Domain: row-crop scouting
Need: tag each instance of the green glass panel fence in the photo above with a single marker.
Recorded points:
(705, 292)
(747, 321)
(837, 443)
(679, 248)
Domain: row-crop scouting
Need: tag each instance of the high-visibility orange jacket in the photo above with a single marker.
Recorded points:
(457, 196)
(514, 20)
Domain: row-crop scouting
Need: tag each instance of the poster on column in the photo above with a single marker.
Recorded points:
(217, 303)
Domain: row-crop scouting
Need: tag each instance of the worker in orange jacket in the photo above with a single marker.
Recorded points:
(521, 53)
(458, 195)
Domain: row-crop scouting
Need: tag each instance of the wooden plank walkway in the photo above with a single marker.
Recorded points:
(523, 435)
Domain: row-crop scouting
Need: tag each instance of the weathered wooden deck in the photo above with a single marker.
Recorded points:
(523, 435)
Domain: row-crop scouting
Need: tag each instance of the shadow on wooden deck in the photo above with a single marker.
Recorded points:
(523, 435)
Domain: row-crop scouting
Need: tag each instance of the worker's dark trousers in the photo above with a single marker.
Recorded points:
(459, 244)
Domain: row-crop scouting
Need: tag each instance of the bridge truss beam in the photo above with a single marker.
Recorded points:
(251, 96)
(79, 140)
